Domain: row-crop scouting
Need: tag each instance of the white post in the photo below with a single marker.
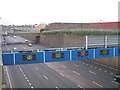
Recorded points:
(113, 51)
(44, 56)
(70, 55)
(94, 53)
(106, 41)
(86, 42)
(14, 58)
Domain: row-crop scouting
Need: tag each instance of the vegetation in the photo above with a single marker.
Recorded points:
(81, 32)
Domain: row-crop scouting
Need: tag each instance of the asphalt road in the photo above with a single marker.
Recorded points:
(72, 74)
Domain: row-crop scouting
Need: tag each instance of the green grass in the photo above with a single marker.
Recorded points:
(81, 32)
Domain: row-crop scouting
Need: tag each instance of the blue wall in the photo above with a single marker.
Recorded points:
(117, 52)
(7, 59)
(97, 52)
(76, 57)
(19, 58)
(48, 56)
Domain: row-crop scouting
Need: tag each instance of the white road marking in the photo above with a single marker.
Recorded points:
(36, 68)
(95, 67)
(115, 82)
(87, 64)
(57, 88)
(63, 66)
(100, 69)
(24, 75)
(76, 65)
(45, 77)
(30, 84)
(92, 72)
(49, 66)
(27, 80)
(104, 65)
(97, 83)
(61, 74)
(91, 66)
(105, 71)
(32, 87)
(80, 86)
(111, 73)
(76, 72)
(8, 77)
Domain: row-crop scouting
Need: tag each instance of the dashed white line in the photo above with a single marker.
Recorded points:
(57, 88)
(30, 84)
(63, 66)
(50, 66)
(27, 80)
(95, 67)
(100, 69)
(92, 72)
(97, 83)
(80, 86)
(76, 65)
(8, 77)
(105, 71)
(45, 77)
(76, 72)
(115, 82)
(36, 68)
(111, 73)
(61, 74)
(25, 77)
(32, 87)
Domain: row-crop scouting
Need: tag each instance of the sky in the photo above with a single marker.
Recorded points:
(20, 12)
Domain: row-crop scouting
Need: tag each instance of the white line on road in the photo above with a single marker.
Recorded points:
(8, 77)
(76, 65)
(27, 80)
(32, 87)
(45, 77)
(115, 82)
(36, 68)
(63, 66)
(105, 71)
(87, 64)
(91, 66)
(61, 74)
(76, 72)
(95, 67)
(57, 88)
(111, 73)
(49, 66)
(30, 84)
(97, 83)
(100, 69)
(92, 72)
(80, 86)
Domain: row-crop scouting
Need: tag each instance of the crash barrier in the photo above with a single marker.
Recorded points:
(30, 57)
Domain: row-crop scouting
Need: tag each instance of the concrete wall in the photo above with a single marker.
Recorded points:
(62, 40)
(112, 61)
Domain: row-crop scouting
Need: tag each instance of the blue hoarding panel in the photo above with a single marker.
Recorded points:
(82, 54)
(7, 59)
(56, 56)
(29, 58)
(104, 52)
(117, 51)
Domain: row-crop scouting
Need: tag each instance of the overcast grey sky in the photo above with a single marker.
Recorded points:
(48, 11)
